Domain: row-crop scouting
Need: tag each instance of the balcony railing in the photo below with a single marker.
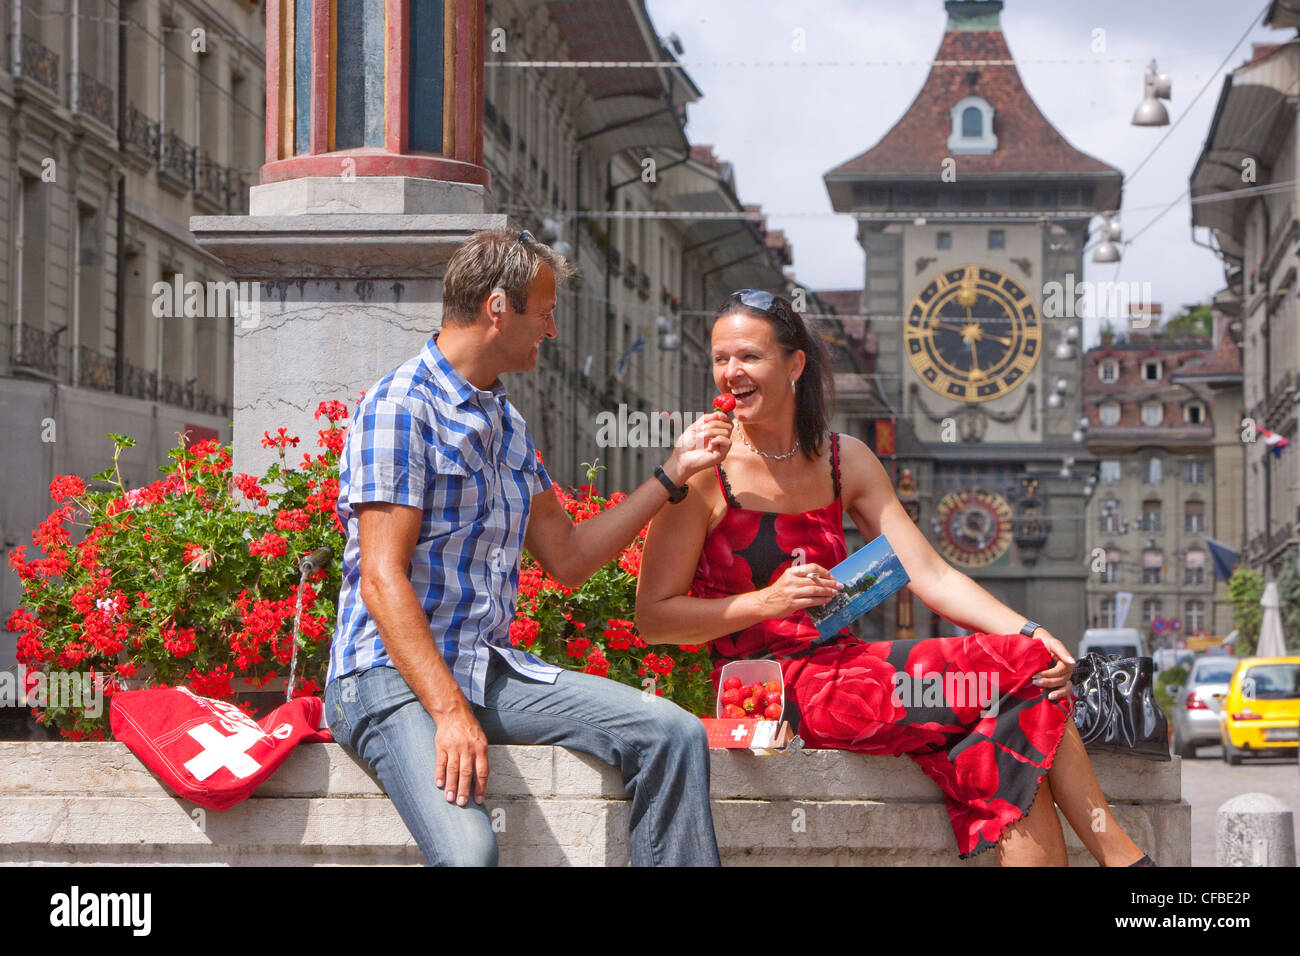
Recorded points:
(96, 100)
(38, 350)
(95, 371)
(212, 180)
(141, 135)
(177, 159)
(40, 64)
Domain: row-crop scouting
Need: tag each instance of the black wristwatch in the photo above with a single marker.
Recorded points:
(675, 492)
(1029, 628)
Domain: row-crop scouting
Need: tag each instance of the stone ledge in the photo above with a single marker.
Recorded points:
(70, 803)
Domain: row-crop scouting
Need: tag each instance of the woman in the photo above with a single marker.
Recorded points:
(740, 560)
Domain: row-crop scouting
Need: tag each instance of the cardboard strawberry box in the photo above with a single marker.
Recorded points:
(730, 732)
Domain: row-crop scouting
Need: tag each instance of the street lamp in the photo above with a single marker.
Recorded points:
(1111, 233)
(1151, 112)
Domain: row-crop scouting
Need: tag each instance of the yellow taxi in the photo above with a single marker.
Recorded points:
(1261, 713)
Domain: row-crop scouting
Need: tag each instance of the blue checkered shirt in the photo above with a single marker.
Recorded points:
(424, 436)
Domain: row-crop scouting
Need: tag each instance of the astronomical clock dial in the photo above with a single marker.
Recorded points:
(973, 334)
(974, 527)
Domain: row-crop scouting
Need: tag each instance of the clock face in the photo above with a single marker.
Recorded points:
(974, 527)
(972, 334)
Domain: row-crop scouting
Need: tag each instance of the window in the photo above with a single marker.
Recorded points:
(1151, 370)
(1154, 475)
(997, 238)
(1151, 515)
(1107, 612)
(1110, 575)
(1110, 413)
(1110, 517)
(972, 127)
(1110, 472)
(1194, 472)
(1152, 608)
(943, 240)
(1153, 414)
(1194, 517)
(1108, 370)
(1195, 622)
(1194, 567)
(1194, 413)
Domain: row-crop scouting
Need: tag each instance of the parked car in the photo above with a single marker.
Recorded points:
(1261, 713)
(1113, 642)
(1198, 704)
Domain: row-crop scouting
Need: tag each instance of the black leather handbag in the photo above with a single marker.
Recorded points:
(1116, 710)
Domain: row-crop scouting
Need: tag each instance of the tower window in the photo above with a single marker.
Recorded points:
(972, 127)
(943, 240)
(997, 239)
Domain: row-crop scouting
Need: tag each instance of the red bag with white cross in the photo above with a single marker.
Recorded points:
(209, 751)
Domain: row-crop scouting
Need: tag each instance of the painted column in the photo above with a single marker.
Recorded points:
(373, 176)
(375, 88)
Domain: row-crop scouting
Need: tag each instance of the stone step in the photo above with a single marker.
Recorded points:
(64, 803)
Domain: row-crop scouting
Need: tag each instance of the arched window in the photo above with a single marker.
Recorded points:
(972, 127)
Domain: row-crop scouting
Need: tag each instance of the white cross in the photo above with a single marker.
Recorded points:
(222, 751)
(739, 733)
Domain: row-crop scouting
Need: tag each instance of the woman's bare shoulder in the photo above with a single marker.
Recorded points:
(858, 465)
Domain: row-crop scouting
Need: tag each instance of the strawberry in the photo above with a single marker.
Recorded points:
(732, 712)
(757, 692)
(732, 683)
(726, 403)
(748, 705)
(733, 696)
(773, 687)
(773, 712)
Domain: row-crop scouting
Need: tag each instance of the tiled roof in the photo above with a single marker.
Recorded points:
(1027, 141)
(842, 301)
(1223, 362)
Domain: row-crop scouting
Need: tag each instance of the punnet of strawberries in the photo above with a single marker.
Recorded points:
(757, 701)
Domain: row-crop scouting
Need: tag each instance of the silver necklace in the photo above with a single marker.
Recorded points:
(788, 454)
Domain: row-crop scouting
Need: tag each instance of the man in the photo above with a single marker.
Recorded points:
(439, 489)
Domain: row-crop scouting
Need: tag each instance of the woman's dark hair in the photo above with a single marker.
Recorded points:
(815, 391)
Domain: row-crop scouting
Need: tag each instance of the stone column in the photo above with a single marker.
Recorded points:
(372, 178)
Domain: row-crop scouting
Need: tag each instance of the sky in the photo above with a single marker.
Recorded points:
(783, 127)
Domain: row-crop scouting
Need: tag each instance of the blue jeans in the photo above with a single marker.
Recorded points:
(660, 750)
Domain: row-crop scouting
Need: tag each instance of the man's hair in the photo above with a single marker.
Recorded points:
(492, 259)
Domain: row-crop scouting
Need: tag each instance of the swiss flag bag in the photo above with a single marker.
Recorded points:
(209, 751)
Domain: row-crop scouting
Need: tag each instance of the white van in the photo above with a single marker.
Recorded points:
(1114, 642)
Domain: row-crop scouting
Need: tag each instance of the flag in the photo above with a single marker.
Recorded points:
(884, 436)
(209, 751)
(1274, 441)
(633, 349)
(1123, 599)
(1225, 559)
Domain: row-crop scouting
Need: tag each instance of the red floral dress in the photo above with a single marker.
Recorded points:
(964, 708)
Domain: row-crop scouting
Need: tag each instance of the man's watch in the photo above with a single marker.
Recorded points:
(1029, 628)
(675, 492)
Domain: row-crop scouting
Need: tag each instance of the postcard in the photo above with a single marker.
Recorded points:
(869, 575)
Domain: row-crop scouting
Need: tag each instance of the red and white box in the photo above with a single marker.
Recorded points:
(751, 733)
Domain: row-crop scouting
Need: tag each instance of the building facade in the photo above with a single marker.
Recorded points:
(1251, 149)
(1159, 415)
(122, 120)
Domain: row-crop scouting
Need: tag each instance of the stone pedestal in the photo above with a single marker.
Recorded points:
(345, 283)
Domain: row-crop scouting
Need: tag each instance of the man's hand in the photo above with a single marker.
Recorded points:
(704, 444)
(462, 756)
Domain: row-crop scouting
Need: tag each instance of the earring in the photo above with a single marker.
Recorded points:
(792, 388)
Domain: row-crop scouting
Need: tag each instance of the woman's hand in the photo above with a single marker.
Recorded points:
(800, 586)
(702, 445)
(1057, 676)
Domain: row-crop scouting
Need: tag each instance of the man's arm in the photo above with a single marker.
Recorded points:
(389, 534)
(572, 553)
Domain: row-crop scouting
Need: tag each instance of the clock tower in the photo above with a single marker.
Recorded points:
(968, 209)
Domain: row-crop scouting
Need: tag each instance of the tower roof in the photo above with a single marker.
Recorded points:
(1027, 143)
